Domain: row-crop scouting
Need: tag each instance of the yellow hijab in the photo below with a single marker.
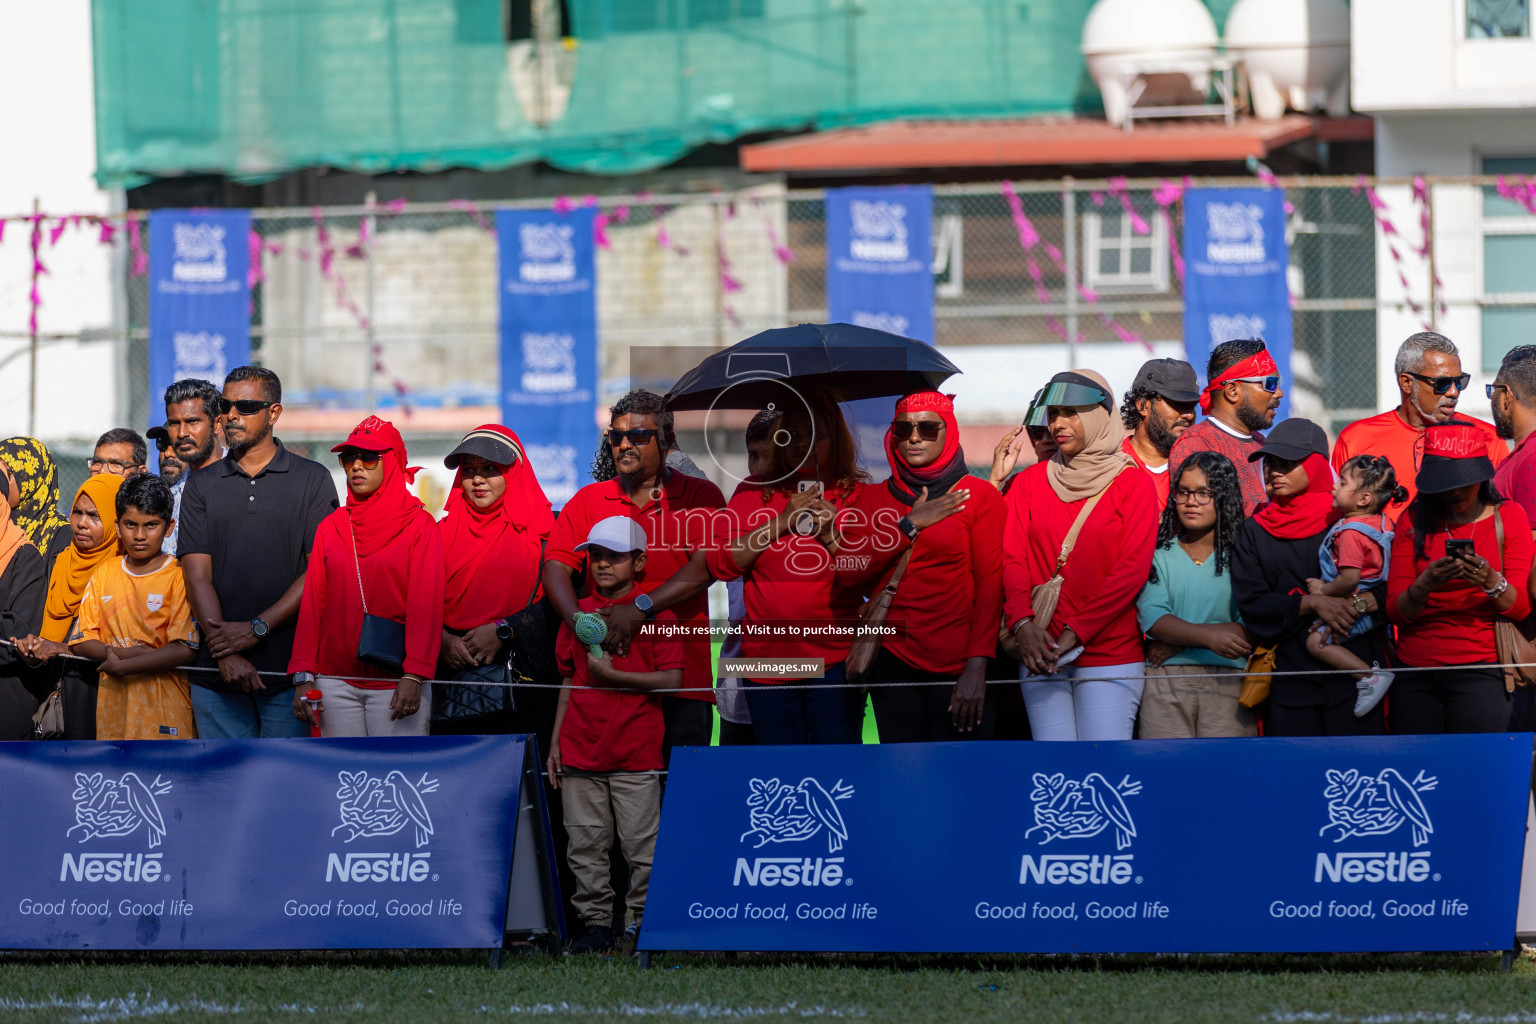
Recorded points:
(74, 567)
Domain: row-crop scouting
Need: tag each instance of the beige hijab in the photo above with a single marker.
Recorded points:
(1101, 460)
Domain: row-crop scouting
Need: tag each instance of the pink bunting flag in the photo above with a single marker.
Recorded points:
(600, 231)
(254, 274)
(563, 204)
(136, 246)
(105, 235)
(1028, 236)
(394, 206)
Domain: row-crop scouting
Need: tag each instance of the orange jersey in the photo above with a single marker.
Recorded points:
(1390, 435)
(123, 609)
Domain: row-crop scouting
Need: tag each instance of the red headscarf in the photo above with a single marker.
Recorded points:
(1306, 514)
(1260, 364)
(493, 553)
(940, 474)
(380, 518)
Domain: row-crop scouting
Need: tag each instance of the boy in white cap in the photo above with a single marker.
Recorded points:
(607, 742)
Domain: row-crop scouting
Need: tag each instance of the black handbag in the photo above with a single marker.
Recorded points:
(530, 658)
(381, 641)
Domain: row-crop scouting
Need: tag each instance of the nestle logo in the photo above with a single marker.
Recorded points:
(1372, 867)
(789, 871)
(110, 867)
(1076, 869)
(378, 867)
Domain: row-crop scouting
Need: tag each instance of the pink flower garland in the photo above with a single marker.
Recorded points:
(1389, 231)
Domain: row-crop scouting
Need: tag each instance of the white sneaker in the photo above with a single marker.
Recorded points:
(1371, 689)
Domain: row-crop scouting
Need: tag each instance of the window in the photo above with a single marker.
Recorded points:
(1117, 258)
(1498, 19)
(1509, 266)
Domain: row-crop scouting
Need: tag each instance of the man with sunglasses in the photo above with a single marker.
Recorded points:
(1430, 382)
(1239, 402)
(189, 440)
(676, 512)
(248, 524)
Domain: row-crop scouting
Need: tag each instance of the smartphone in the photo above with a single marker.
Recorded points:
(1456, 548)
(811, 485)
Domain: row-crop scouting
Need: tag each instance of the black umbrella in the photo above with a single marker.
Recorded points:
(842, 360)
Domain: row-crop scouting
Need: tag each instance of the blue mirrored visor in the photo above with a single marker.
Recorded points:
(1062, 393)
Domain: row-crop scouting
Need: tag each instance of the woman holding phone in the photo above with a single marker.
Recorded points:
(1468, 565)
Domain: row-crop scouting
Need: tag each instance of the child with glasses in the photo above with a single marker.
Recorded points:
(1355, 554)
(1197, 643)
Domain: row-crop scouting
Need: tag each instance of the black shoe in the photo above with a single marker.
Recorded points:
(596, 939)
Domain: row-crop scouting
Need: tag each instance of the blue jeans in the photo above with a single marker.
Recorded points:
(782, 716)
(245, 716)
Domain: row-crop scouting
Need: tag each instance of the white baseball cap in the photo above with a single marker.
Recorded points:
(616, 533)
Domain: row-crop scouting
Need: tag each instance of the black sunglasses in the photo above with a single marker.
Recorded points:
(247, 406)
(161, 444)
(347, 456)
(1443, 384)
(928, 430)
(639, 437)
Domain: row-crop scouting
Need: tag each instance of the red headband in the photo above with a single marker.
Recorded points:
(1260, 364)
(926, 401)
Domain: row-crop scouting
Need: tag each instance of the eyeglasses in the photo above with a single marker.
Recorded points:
(117, 467)
(1441, 385)
(1270, 383)
(347, 456)
(928, 430)
(247, 406)
(639, 437)
(1491, 388)
(1199, 498)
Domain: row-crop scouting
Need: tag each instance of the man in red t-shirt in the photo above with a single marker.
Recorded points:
(1159, 407)
(676, 512)
(1430, 383)
(607, 741)
(1240, 400)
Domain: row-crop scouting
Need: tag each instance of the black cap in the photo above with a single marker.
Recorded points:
(158, 434)
(490, 445)
(1293, 440)
(1174, 379)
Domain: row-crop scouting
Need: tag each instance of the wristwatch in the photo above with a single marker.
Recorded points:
(303, 679)
(259, 628)
(1360, 604)
(503, 630)
(907, 527)
(646, 605)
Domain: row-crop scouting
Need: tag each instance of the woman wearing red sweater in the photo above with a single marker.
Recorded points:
(381, 553)
(1095, 695)
(780, 540)
(1467, 564)
(950, 597)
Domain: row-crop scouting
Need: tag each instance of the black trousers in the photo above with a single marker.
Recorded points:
(687, 723)
(1452, 701)
(920, 714)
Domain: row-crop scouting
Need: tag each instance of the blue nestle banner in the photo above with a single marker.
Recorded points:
(1235, 284)
(549, 341)
(879, 274)
(1326, 845)
(199, 299)
(266, 844)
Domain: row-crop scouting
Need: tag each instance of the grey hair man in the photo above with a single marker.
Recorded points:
(1430, 382)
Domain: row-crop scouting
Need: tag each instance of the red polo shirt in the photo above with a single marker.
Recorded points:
(677, 523)
(608, 730)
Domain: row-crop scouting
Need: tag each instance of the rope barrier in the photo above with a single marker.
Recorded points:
(529, 684)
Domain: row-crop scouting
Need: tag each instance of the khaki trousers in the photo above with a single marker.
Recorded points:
(1197, 707)
(596, 808)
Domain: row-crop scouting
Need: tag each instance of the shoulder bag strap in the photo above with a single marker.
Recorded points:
(538, 573)
(357, 563)
(1077, 525)
(1498, 532)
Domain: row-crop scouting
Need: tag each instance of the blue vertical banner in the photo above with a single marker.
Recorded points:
(879, 274)
(199, 298)
(549, 341)
(1235, 249)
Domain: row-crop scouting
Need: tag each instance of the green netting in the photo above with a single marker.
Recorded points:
(256, 88)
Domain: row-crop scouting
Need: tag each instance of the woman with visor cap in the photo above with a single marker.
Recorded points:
(1077, 548)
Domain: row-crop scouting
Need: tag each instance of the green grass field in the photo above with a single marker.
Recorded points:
(423, 987)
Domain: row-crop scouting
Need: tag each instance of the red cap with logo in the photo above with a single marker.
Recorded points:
(1455, 455)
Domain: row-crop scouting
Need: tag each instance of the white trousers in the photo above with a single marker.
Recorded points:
(353, 711)
(1083, 702)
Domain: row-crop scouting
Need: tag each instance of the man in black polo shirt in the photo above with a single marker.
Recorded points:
(247, 524)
